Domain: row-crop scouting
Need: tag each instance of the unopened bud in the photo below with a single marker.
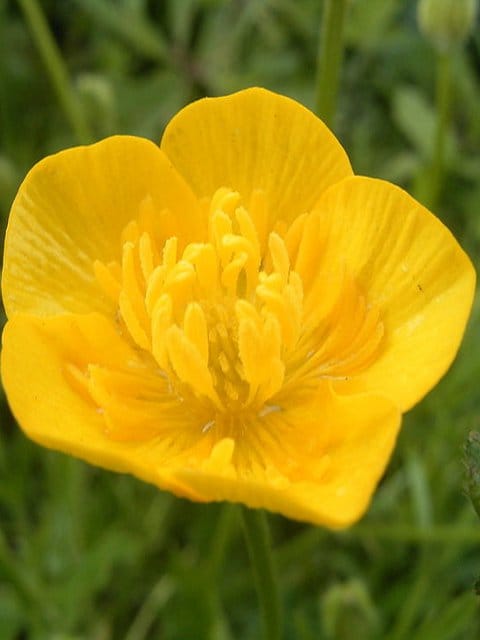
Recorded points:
(447, 23)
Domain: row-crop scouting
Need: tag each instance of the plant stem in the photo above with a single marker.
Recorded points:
(330, 56)
(150, 609)
(257, 537)
(221, 538)
(56, 69)
(443, 103)
(406, 617)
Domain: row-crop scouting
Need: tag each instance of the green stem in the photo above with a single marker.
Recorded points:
(443, 104)
(407, 616)
(221, 538)
(56, 69)
(257, 537)
(330, 56)
(150, 610)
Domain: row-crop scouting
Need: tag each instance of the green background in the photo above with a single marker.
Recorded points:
(87, 554)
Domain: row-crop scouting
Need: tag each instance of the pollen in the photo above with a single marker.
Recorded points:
(223, 323)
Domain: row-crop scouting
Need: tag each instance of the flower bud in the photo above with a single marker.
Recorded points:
(446, 23)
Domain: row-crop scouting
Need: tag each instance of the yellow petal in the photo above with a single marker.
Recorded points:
(355, 438)
(412, 269)
(349, 440)
(54, 412)
(71, 210)
(255, 139)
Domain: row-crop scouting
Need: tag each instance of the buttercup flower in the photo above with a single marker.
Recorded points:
(231, 316)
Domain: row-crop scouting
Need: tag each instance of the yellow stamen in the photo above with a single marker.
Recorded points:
(225, 326)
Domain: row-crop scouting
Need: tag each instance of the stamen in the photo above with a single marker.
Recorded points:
(188, 365)
(280, 259)
(146, 255)
(132, 322)
(195, 328)
(225, 327)
(162, 316)
(170, 254)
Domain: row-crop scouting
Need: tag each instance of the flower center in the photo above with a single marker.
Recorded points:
(218, 322)
(223, 322)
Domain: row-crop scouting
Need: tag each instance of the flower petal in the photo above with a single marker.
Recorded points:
(53, 410)
(412, 269)
(361, 434)
(256, 140)
(357, 433)
(71, 210)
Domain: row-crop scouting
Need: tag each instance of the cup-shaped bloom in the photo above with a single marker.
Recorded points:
(231, 316)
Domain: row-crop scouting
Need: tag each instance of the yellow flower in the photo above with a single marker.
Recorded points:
(234, 316)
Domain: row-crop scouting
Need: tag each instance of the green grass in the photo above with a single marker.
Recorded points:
(90, 555)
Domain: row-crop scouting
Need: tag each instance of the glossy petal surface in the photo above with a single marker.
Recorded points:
(415, 273)
(256, 140)
(311, 469)
(302, 462)
(46, 382)
(72, 208)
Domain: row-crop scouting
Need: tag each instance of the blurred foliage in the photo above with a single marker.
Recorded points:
(88, 555)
